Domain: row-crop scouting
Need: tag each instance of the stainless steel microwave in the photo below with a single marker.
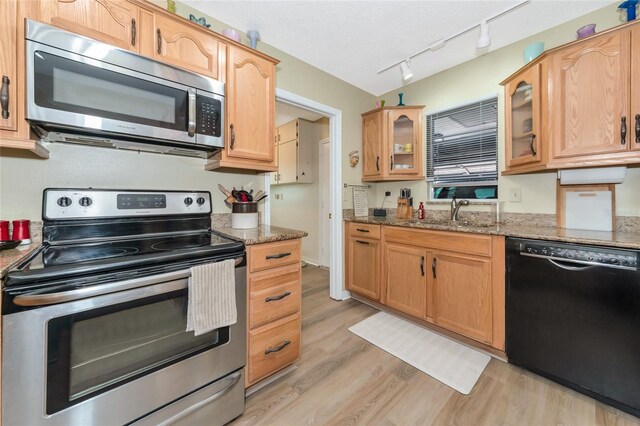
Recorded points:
(83, 91)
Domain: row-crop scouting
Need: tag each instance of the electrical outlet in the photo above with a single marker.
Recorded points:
(387, 193)
(515, 194)
(278, 196)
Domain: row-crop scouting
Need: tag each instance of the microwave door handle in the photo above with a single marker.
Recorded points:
(191, 127)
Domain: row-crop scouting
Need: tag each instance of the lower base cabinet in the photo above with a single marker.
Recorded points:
(454, 280)
(274, 277)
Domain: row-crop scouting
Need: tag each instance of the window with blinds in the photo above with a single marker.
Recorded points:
(462, 151)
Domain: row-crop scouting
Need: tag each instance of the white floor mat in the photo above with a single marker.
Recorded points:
(453, 364)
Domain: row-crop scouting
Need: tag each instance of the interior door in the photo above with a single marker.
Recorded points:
(406, 279)
(325, 209)
(590, 97)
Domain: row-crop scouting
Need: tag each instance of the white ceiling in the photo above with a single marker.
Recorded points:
(355, 39)
(286, 113)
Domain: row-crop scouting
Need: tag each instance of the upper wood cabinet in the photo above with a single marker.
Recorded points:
(297, 141)
(250, 107)
(586, 102)
(392, 144)
(523, 110)
(462, 294)
(186, 47)
(635, 88)
(591, 103)
(111, 21)
(406, 279)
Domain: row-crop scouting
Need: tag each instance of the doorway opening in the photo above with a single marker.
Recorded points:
(305, 191)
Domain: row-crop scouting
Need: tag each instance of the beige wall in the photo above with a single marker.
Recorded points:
(300, 206)
(23, 177)
(480, 78)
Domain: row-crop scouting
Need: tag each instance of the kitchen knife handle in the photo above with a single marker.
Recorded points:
(532, 146)
(278, 297)
(378, 163)
(638, 128)
(434, 264)
(133, 31)
(623, 130)
(233, 136)
(159, 34)
(277, 348)
(278, 256)
(4, 96)
(422, 265)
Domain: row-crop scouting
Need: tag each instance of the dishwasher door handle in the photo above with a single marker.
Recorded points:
(580, 264)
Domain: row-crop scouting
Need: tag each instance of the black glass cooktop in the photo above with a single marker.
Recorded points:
(61, 260)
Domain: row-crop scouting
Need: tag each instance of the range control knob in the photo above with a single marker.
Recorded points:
(64, 201)
(188, 201)
(85, 201)
(200, 201)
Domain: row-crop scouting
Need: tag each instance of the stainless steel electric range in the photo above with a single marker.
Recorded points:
(94, 321)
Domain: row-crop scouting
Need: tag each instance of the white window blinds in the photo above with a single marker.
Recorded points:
(462, 145)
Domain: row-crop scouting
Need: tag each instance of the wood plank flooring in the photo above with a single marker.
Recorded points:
(344, 380)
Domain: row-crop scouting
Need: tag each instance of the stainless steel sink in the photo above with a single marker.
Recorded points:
(456, 224)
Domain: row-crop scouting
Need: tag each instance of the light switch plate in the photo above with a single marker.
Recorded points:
(515, 194)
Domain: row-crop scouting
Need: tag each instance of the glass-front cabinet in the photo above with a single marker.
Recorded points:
(522, 106)
(392, 144)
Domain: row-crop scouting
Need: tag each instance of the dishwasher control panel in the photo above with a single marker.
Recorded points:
(578, 254)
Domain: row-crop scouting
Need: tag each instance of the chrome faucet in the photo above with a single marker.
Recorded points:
(455, 207)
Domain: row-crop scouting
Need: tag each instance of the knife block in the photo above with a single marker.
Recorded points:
(404, 210)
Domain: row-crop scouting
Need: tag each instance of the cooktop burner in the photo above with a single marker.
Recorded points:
(64, 255)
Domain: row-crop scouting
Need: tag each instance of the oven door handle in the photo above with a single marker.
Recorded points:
(40, 299)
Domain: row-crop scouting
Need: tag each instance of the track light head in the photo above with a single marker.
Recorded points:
(484, 40)
(406, 71)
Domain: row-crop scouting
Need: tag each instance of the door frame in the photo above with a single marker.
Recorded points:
(336, 266)
(321, 186)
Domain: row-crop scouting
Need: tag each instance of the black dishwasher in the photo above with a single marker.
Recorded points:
(573, 316)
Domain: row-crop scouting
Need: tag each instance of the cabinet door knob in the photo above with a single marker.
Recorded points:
(638, 128)
(133, 31)
(4, 96)
(159, 34)
(422, 265)
(378, 163)
(532, 147)
(623, 130)
(233, 138)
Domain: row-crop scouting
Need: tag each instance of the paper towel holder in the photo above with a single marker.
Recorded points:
(592, 176)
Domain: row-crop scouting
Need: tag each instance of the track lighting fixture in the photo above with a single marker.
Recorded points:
(406, 71)
(484, 40)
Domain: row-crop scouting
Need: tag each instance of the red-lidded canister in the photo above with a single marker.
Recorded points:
(4, 230)
(21, 231)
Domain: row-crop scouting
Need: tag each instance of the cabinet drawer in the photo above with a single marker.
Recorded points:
(271, 255)
(274, 294)
(273, 347)
(364, 230)
(457, 242)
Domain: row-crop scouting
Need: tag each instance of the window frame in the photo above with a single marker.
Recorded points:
(430, 184)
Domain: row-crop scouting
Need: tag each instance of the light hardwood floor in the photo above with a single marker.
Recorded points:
(344, 380)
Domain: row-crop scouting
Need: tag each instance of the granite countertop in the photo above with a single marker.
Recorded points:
(261, 234)
(622, 239)
(9, 258)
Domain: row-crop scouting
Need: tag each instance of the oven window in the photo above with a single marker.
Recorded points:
(95, 351)
(67, 85)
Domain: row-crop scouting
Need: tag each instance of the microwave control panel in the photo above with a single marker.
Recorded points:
(208, 116)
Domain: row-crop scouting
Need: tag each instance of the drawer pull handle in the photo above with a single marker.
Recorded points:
(638, 129)
(362, 230)
(277, 348)
(623, 130)
(362, 242)
(422, 265)
(434, 265)
(378, 164)
(159, 36)
(233, 140)
(532, 147)
(4, 96)
(278, 297)
(133, 31)
(279, 255)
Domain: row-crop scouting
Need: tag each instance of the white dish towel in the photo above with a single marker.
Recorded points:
(212, 297)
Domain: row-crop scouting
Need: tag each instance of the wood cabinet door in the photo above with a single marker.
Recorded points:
(462, 294)
(111, 21)
(406, 279)
(404, 141)
(363, 263)
(182, 46)
(8, 66)
(522, 118)
(372, 140)
(288, 132)
(590, 96)
(250, 106)
(288, 161)
(635, 88)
